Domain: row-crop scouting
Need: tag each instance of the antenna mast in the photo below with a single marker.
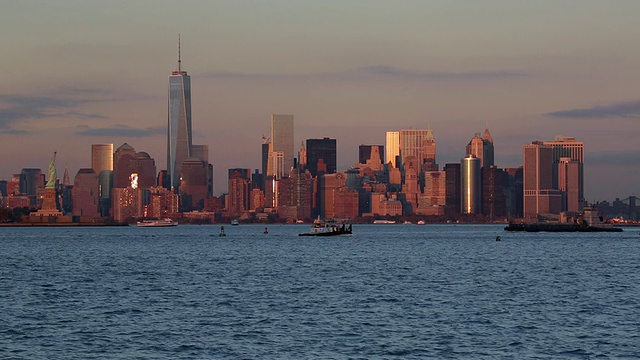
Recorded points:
(179, 60)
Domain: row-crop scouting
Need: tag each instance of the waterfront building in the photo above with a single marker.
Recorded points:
(238, 191)
(194, 184)
(470, 179)
(568, 183)
(179, 133)
(539, 195)
(321, 156)
(494, 198)
(568, 147)
(281, 142)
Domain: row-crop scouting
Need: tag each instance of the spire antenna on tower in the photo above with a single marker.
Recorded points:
(179, 59)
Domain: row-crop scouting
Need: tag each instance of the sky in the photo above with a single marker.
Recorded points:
(78, 72)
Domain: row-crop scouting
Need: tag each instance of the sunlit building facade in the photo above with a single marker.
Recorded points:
(179, 136)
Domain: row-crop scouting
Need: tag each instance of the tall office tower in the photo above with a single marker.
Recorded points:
(179, 123)
(410, 188)
(145, 166)
(163, 202)
(276, 165)
(102, 165)
(482, 148)
(101, 158)
(85, 193)
(413, 142)
(266, 144)
(32, 184)
(392, 148)
(429, 152)
(121, 161)
(328, 186)
(514, 192)
(194, 184)
(321, 156)
(281, 141)
(302, 155)
(564, 146)
(239, 200)
(435, 191)
(568, 180)
(470, 179)
(494, 185)
(539, 195)
(488, 158)
(3, 188)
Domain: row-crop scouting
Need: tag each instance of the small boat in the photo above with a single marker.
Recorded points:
(384, 222)
(235, 222)
(421, 222)
(157, 223)
(328, 227)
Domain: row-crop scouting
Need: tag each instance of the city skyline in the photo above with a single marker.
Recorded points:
(529, 72)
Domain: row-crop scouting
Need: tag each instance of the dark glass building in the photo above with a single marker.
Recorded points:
(321, 156)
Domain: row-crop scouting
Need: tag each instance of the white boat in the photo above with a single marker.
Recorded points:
(235, 222)
(384, 222)
(157, 223)
(328, 227)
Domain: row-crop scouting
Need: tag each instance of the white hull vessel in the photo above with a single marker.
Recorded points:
(157, 223)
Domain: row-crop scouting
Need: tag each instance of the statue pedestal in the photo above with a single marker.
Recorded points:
(49, 207)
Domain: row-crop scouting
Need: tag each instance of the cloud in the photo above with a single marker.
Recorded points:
(14, 108)
(374, 72)
(630, 109)
(119, 130)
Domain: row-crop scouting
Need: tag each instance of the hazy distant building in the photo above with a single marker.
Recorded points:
(392, 147)
(281, 142)
(514, 192)
(86, 193)
(471, 180)
(179, 134)
(321, 156)
(539, 195)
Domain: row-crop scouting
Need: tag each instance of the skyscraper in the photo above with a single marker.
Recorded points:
(281, 141)
(482, 148)
(321, 156)
(470, 179)
(392, 147)
(412, 143)
(539, 195)
(568, 147)
(179, 123)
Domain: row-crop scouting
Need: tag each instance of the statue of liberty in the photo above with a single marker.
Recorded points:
(53, 175)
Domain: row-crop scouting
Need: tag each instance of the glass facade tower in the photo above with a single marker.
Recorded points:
(179, 136)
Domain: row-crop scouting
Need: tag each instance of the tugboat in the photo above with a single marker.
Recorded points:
(328, 227)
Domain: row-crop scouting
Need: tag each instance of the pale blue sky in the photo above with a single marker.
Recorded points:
(81, 72)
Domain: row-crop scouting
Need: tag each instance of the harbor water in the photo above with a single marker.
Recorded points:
(387, 291)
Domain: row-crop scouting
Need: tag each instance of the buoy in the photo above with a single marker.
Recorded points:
(498, 238)
(265, 231)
